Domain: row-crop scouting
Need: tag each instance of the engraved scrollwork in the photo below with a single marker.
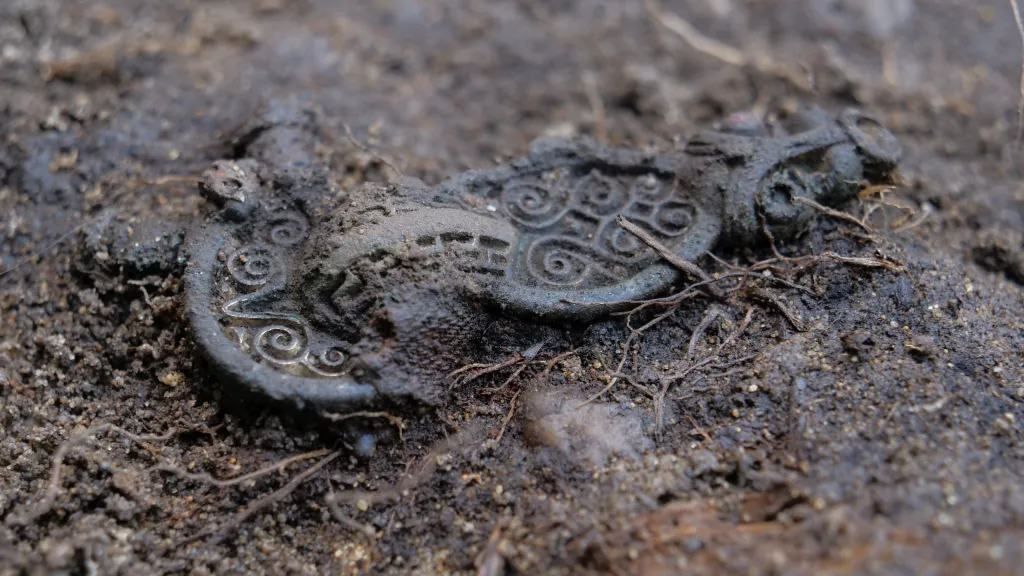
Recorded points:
(327, 362)
(562, 262)
(278, 343)
(624, 243)
(279, 338)
(599, 194)
(252, 266)
(573, 217)
(288, 229)
(534, 204)
(650, 188)
(674, 217)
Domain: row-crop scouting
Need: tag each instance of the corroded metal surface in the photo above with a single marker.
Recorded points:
(346, 304)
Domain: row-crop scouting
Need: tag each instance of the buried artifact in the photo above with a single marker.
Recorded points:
(370, 301)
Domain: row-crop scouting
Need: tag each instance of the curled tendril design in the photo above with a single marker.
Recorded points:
(565, 263)
(290, 345)
(279, 338)
(562, 267)
(674, 218)
(281, 344)
(534, 204)
(650, 188)
(600, 194)
(568, 220)
(252, 266)
(623, 243)
(288, 230)
(327, 363)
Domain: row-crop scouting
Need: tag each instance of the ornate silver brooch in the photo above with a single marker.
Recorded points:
(368, 301)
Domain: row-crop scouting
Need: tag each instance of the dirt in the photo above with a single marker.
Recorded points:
(875, 430)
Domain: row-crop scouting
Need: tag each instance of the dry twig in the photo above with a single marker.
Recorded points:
(670, 256)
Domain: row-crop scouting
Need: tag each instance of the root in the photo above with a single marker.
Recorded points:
(618, 370)
(633, 334)
(395, 421)
(474, 371)
(262, 503)
(479, 370)
(887, 263)
(926, 212)
(689, 292)
(366, 149)
(46, 503)
(47, 249)
(740, 283)
(550, 364)
(709, 317)
(594, 97)
(207, 479)
(745, 275)
(1020, 105)
(837, 214)
(332, 504)
(723, 52)
(491, 562)
(877, 195)
(126, 186)
(507, 381)
(471, 435)
(508, 417)
(52, 491)
(698, 41)
(704, 362)
(773, 299)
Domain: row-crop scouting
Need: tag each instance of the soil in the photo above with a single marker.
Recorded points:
(869, 423)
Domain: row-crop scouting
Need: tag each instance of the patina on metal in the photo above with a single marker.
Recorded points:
(344, 305)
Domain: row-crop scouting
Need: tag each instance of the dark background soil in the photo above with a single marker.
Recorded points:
(886, 439)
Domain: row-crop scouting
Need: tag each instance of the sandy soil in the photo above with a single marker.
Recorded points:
(883, 438)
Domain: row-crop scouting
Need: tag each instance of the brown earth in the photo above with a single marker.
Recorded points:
(885, 438)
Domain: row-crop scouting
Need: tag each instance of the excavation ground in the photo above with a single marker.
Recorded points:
(851, 405)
